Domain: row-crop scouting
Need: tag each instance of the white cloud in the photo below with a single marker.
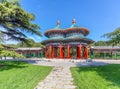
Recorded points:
(11, 42)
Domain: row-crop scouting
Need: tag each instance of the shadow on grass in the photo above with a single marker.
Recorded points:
(110, 73)
(6, 65)
(32, 61)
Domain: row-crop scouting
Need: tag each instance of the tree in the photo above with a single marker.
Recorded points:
(113, 37)
(38, 45)
(8, 53)
(16, 21)
(99, 43)
(30, 43)
(26, 43)
(1, 38)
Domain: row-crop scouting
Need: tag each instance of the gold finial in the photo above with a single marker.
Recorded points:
(74, 21)
(58, 23)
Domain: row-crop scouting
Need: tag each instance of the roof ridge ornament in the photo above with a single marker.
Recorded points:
(74, 21)
(58, 23)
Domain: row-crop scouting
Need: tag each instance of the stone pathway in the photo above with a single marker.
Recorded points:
(59, 78)
(61, 62)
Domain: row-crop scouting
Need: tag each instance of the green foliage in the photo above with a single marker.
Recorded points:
(114, 37)
(16, 21)
(1, 37)
(38, 45)
(99, 43)
(13, 45)
(6, 53)
(21, 75)
(28, 43)
(1, 47)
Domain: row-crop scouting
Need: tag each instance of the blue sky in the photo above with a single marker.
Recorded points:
(99, 16)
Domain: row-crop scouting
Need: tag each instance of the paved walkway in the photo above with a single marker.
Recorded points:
(66, 62)
(59, 78)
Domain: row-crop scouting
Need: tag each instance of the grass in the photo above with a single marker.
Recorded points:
(102, 77)
(21, 75)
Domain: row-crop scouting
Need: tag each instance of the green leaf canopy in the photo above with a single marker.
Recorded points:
(114, 37)
(16, 21)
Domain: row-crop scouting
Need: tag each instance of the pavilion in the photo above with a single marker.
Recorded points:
(67, 43)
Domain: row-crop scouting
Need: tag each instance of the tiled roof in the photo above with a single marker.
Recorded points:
(67, 40)
(105, 47)
(36, 48)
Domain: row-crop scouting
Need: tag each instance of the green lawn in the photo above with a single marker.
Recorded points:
(21, 75)
(103, 77)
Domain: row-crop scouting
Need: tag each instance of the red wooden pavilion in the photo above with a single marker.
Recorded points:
(67, 43)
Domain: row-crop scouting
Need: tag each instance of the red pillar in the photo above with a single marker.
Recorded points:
(56, 52)
(61, 51)
(68, 51)
(50, 51)
(53, 52)
(86, 52)
(79, 53)
(46, 52)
